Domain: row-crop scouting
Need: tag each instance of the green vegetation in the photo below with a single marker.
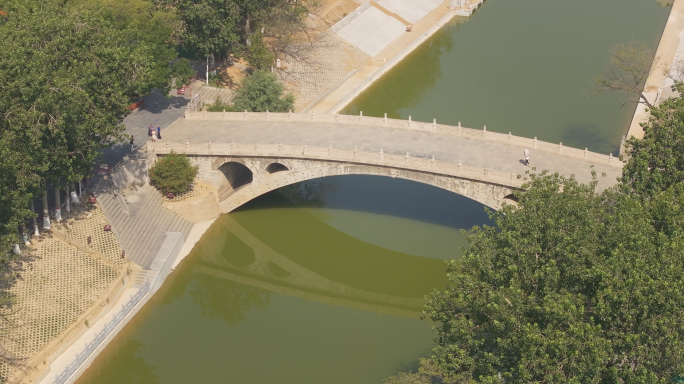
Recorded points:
(262, 92)
(215, 28)
(69, 68)
(66, 75)
(173, 173)
(572, 286)
(220, 106)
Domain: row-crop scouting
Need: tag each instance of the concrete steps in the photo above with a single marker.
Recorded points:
(210, 94)
(142, 233)
(142, 276)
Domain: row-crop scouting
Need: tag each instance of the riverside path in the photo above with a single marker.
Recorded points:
(248, 154)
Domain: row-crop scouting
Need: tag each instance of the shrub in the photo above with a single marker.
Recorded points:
(173, 173)
(220, 106)
(261, 92)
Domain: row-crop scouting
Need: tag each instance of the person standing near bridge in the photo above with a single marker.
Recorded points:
(527, 157)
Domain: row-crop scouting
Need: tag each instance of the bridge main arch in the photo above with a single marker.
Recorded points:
(232, 177)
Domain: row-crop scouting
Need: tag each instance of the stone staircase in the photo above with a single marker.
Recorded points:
(210, 94)
(141, 233)
(142, 276)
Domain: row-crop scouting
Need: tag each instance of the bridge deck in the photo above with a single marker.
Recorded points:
(473, 152)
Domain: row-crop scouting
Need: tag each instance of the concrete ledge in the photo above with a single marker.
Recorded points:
(82, 352)
(390, 64)
(350, 17)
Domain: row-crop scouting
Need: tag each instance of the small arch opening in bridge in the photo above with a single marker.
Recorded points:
(237, 174)
(511, 199)
(276, 167)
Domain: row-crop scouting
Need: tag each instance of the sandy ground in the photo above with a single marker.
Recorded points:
(332, 11)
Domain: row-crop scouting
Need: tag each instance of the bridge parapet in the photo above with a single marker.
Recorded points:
(330, 154)
(478, 134)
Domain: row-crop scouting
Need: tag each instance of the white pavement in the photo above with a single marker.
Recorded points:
(372, 31)
(410, 10)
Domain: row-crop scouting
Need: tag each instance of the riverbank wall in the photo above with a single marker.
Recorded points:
(670, 51)
(141, 285)
(341, 94)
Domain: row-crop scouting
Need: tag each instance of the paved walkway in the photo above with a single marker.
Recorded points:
(471, 151)
(157, 110)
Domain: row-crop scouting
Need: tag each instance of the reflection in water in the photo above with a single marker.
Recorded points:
(227, 300)
(137, 370)
(258, 251)
(283, 292)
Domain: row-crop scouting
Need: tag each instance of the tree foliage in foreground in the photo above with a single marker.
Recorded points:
(66, 78)
(572, 286)
(261, 92)
(569, 287)
(657, 161)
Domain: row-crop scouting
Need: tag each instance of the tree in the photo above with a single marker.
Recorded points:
(212, 27)
(569, 287)
(173, 173)
(657, 161)
(66, 77)
(262, 92)
(142, 21)
(629, 66)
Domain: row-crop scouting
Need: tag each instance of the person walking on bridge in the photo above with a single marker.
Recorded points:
(158, 132)
(527, 157)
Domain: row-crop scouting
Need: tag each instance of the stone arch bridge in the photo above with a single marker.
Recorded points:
(245, 155)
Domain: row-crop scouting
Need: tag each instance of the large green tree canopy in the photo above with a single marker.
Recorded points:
(569, 287)
(657, 162)
(66, 74)
(66, 77)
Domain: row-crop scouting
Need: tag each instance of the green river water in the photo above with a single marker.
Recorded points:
(329, 289)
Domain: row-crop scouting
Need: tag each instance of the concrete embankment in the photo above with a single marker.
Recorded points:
(339, 96)
(670, 51)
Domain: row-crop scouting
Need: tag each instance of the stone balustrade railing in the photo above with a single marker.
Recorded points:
(82, 356)
(406, 161)
(460, 131)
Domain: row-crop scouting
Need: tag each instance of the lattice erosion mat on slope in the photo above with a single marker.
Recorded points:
(55, 288)
(89, 220)
(319, 67)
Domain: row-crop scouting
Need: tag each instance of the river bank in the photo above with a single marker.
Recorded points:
(338, 96)
(670, 51)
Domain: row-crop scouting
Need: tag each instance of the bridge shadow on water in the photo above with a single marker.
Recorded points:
(253, 267)
(274, 244)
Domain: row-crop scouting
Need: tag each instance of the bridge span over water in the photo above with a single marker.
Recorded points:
(248, 154)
